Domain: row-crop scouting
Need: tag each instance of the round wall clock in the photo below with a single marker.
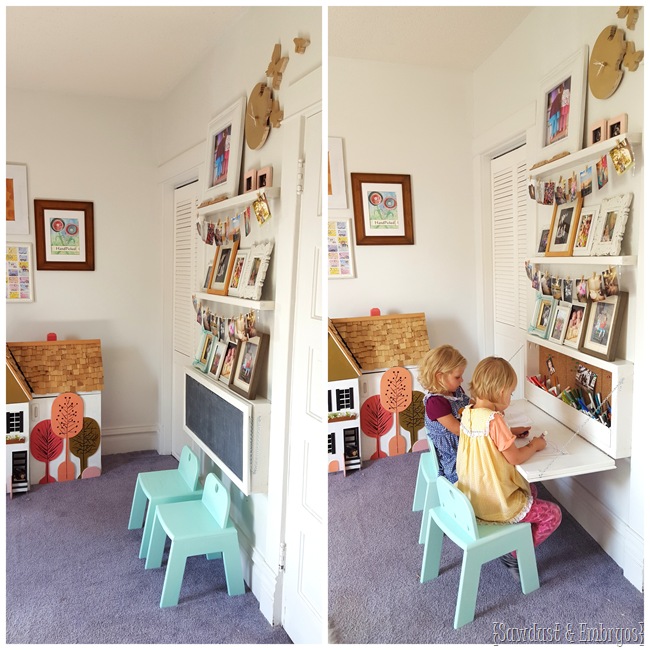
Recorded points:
(258, 112)
(605, 73)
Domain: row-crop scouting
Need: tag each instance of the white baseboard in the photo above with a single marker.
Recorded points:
(120, 440)
(617, 539)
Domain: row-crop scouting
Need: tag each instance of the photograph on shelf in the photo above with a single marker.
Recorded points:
(264, 178)
(563, 229)
(609, 227)
(567, 290)
(223, 155)
(603, 325)
(542, 316)
(560, 322)
(575, 324)
(602, 172)
(582, 290)
(17, 211)
(255, 272)
(562, 105)
(224, 260)
(543, 241)
(228, 363)
(598, 132)
(249, 359)
(617, 126)
(218, 355)
(203, 351)
(238, 269)
(585, 230)
(206, 282)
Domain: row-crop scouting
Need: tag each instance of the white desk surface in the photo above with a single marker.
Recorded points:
(566, 453)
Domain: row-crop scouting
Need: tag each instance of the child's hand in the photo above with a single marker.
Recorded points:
(540, 442)
(520, 432)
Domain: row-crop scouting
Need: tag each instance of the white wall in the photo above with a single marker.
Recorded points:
(403, 119)
(608, 504)
(97, 149)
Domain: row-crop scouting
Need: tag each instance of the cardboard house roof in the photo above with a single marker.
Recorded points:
(17, 387)
(54, 367)
(378, 342)
(341, 363)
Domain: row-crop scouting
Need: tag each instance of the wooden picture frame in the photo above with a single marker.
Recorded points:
(561, 130)
(228, 363)
(65, 235)
(598, 132)
(603, 326)
(617, 126)
(224, 152)
(563, 228)
(559, 322)
(17, 211)
(609, 228)
(382, 209)
(224, 259)
(577, 318)
(257, 266)
(249, 360)
(216, 359)
(237, 276)
(585, 229)
(19, 272)
(336, 195)
(542, 316)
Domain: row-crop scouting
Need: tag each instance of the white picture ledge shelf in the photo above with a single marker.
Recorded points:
(609, 260)
(260, 305)
(238, 201)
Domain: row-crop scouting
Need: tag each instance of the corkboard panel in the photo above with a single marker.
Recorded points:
(53, 367)
(566, 369)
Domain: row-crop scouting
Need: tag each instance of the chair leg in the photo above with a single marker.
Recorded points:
(146, 533)
(470, 574)
(233, 570)
(432, 550)
(420, 487)
(156, 545)
(527, 567)
(173, 577)
(137, 507)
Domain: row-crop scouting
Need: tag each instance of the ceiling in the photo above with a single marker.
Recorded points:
(143, 52)
(455, 38)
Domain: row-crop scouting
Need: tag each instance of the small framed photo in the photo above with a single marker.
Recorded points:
(225, 374)
(543, 241)
(249, 360)
(217, 359)
(238, 270)
(224, 260)
(610, 225)
(598, 132)
(617, 126)
(203, 352)
(585, 230)
(542, 316)
(252, 282)
(563, 228)
(264, 177)
(206, 282)
(575, 325)
(560, 322)
(250, 180)
(603, 326)
(19, 272)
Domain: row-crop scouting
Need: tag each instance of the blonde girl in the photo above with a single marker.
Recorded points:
(487, 457)
(441, 374)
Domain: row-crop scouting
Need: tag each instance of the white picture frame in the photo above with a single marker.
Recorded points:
(17, 216)
(336, 195)
(238, 270)
(559, 322)
(225, 134)
(340, 252)
(19, 284)
(610, 225)
(585, 231)
(577, 318)
(552, 138)
(254, 275)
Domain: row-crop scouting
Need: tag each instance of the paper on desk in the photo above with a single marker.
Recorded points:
(516, 416)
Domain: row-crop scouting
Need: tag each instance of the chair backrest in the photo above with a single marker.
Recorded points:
(434, 455)
(189, 468)
(457, 510)
(216, 499)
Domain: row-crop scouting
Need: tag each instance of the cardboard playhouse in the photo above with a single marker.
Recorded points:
(361, 352)
(55, 389)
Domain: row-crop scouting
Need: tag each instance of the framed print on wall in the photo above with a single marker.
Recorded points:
(561, 109)
(336, 196)
(603, 326)
(17, 211)
(249, 359)
(224, 260)
(585, 231)
(223, 154)
(65, 236)
(609, 227)
(19, 278)
(382, 209)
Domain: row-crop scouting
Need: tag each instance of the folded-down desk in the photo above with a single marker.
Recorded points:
(566, 453)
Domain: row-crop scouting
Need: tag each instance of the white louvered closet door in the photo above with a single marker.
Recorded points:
(509, 251)
(185, 243)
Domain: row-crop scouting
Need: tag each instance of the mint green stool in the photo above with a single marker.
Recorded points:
(164, 486)
(426, 493)
(481, 543)
(196, 528)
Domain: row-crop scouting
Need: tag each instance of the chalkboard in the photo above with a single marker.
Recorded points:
(217, 423)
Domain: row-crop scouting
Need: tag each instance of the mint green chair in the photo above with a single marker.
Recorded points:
(163, 486)
(426, 493)
(454, 517)
(196, 528)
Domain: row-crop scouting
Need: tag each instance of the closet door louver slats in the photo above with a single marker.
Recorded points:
(183, 314)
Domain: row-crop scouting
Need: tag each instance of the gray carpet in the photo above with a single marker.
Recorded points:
(73, 573)
(374, 563)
